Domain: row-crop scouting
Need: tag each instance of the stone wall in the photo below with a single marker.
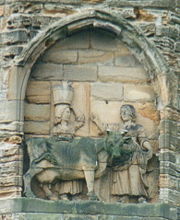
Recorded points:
(21, 22)
(105, 75)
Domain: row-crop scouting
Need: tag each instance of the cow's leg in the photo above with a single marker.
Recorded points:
(89, 176)
(48, 192)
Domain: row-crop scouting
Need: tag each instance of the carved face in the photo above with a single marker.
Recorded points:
(127, 113)
(66, 114)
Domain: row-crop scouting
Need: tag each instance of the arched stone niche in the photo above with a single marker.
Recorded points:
(105, 65)
(105, 75)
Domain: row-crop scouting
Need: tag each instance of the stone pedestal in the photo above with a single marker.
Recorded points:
(37, 209)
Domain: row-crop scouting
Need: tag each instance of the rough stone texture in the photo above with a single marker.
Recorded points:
(34, 127)
(37, 112)
(11, 168)
(122, 74)
(48, 71)
(139, 92)
(90, 210)
(38, 92)
(115, 91)
(80, 73)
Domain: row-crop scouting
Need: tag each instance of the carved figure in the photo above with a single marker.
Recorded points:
(129, 177)
(83, 158)
(66, 123)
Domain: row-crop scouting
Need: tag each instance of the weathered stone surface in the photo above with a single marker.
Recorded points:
(81, 105)
(60, 56)
(38, 112)
(47, 71)
(167, 141)
(9, 192)
(177, 46)
(102, 40)
(138, 93)
(36, 127)
(76, 41)
(90, 209)
(169, 127)
(168, 156)
(122, 74)
(1, 10)
(108, 113)
(80, 73)
(13, 37)
(8, 110)
(10, 168)
(144, 3)
(148, 110)
(126, 61)
(107, 91)
(38, 92)
(94, 56)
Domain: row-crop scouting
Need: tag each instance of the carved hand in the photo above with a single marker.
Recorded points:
(81, 118)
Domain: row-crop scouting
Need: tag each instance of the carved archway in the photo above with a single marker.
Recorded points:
(140, 46)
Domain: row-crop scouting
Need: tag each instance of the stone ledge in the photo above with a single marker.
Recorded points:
(92, 208)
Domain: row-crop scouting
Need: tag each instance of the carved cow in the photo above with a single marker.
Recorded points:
(83, 158)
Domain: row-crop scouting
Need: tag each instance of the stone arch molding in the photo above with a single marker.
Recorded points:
(130, 35)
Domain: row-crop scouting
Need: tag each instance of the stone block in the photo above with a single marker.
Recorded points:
(10, 168)
(167, 141)
(10, 192)
(77, 210)
(108, 114)
(177, 46)
(60, 56)
(94, 56)
(169, 127)
(138, 93)
(126, 61)
(76, 41)
(107, 91)
(140, 3)
(11, 158)
(1, 11)
(8, 149)
(12, 51)
(122, 74)
(13, 37)
(102, 40)
(9, 110)
(37, 128)
(168, 156)
(38, 112)
(47, 71)
(11, 128)
(38, 92)
(80, 73)
(10, 181)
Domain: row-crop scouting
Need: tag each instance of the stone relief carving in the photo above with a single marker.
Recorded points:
(129, 174)
(59, 164)
(129, 180)
(66, 122)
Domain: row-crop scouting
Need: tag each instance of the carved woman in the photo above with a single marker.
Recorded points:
(66, 122)
(129, 179)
